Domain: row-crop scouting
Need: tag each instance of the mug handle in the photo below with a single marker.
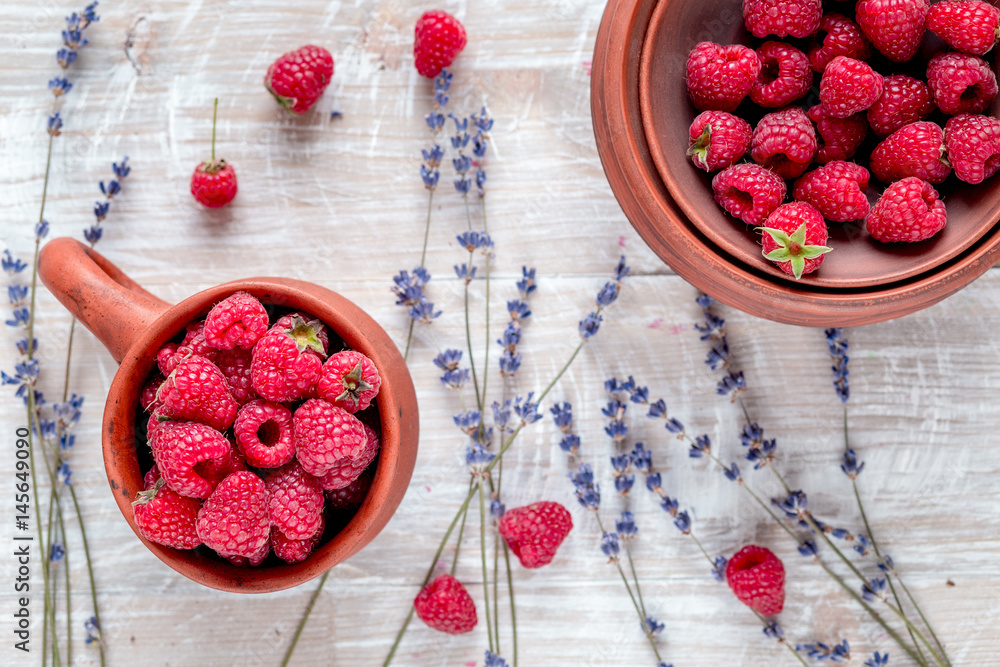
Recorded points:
(106, 301)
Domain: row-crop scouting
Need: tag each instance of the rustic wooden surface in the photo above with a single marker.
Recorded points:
(339, 202)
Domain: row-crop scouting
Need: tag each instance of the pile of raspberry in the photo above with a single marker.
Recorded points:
(259, 437)
(854, 63)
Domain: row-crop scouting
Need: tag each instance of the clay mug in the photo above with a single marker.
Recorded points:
(133, 324)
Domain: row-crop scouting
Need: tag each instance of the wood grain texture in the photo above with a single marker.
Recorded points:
(339, 202)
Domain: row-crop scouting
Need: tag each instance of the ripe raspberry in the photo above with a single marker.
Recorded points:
(287, 322)
(719, 77)
(970, 26)
(784, 142)
(287, 362)
(718, 139)
(194, 344)
(895, 27)
(757, 577)
(235, 367)
(292, 550)
(213, 183)
(181, 449)
(346, 470)
(325, 433)
(797, 18)
(842, 38)
(961, 83)
(351, 496)
(254, 560)
(156, 417)
(534, 532)
(239, 320)
(837, 190)
(445, 605)
(848, 86)
(234, 519)
(784, 75)
(839, 138)
(197, 390)
(264, 434)
(349, 380)
(904, 100)
(917, 149)
(216, 470)
(795, 238)
(973, 146)
(298, 78)
(167, 359)
(166, 517)
(295, 503)
(147, 399)
(908, 211)
(748, 192)
(437, 40)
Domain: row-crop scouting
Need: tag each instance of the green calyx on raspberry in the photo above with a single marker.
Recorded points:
(306, 334)
(144, 497)
(793, 248)
(354, 385)
(285, 101)
(699, 149)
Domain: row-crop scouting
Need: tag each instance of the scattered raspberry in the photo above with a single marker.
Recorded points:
(295, 503)
(166, 517)
(757, 577)
(904, 100)
(213, 183)
(718, 139)
(298, 78)
(917, 149)
(970, 26)
(179, 447)
(235, 367)
(325, 433)
(784, 142)
(895, 27)
(973, 146)
(839, 138)
(438, 39)
(351, 496)
(197, 390)
(961, 83)
(842, 38)
(239, 320)
(837, 190)
(848, 87)
(795, 18)
(147, 399)
(719, 77)
(534, 532)
(784, 75)
(748, 192)
(795, 238)
(445, 605)
(264, 434)
(234, 519)
(292, 550)
(908, 211)
(349, 380)
(287, 362)
(344, 471)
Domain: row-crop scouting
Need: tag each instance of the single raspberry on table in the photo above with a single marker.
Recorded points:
(295, 502)
(287, 361)
(720, 77)
(904, 100)
(894, 27)
(718, 139)
(349, 380)
(534, 532)
(213, 183)
(837, 190)
(351, 496)
(795, 18)
(196, 390)
(784, 75)
(908, 211)
(235, 367)
(784, 142)
(961, 83)
(234, 519)
(239, 320)
(263, 433)
(324, 434)
(445, 605)
(848, 86)
(748, 192)
(345, 470)
(917, 149)
(181, 449)
(973, 144)
(838, 138)
(970, 26)
(298, 78)
(437, 40)
(757, 577)
(147, 398)
(795, 238)
(164, 516)
(840, 37)
(294, 550)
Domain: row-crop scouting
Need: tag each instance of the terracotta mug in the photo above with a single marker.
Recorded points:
(133, 324)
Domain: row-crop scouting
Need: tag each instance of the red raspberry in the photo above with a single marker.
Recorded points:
(961, 83)
(287, 322)
(970, 26)
(239, 320)
(298, 78)
(194, 343)
(908, 211)
(534, 532)
(757, 577)
(904, 100)
(895, 27)
(264, 434)
(848, 86)
(197, 390)
(784, 142)
(156, 417)
(839, 138)
(438, 39)
(254, 560)
(292, 550)
(445, 605)
(287, 362)
(181, 449)
(842, 38)
(917, 149)
(147, 399)
(784, 75)
(296, 501)
(346, 470)
(216, 470)
(837, 190)
(748, 192)
(797, 18)
(235, 367)
(213, 183)
(795, 238)
(973, 146)
(719, 77)
(325, 433)
(351, 496)
(234, 519)
(164, 516)
(167, 359)
(718, 139)
(349, 380)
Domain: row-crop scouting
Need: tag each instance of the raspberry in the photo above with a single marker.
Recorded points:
(973, 146)
(895, 27)
(264, 434)
(908, 211)
(156, 417)
(445, 605)
(748, 192)
(961, 83)
(904, 100)
(147, 398)
(917, 149)
(718, 139)
(287, 322)
(179, 448)
(839, 138)
(757, 577)
(217, 469)
(234, 519)
(719, 77)
(292, 550)
(970, 26)
(346, 470)
(843, 38)
(784, 75)
(164, 516)
(837, 190)
(298, 78)
(795, 238)
(197, 390)
(167, 359)
(254, 560)
(784, 142)
(351, 496)
(534, 532)
(213, 183)
(239, 320)
(295, 502)
(325, 433)
(848, 86)
(437, 40)
(287, 362)
(349, 380)
(796, 18)
(235, 367)
(194, 344)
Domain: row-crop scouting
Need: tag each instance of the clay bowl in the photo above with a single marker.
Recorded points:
(715, 253)
(133, 324)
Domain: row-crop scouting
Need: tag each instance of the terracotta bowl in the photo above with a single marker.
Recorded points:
(641, 114)
(133, 324)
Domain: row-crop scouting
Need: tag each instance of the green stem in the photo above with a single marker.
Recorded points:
(423, 259)
(635, 578)
(69, 596)
(781, 641)
(486, 353)
(482, 554)
(305, 616)
(510, 593)
(90, 572)
(32, 422)
(468, 342)
(461, 530)
(215, 114)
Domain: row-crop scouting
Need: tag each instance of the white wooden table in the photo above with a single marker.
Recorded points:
(339, 202)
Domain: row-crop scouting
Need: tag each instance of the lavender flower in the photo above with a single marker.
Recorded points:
(570, 444)
(838, 352)
(93, 632)
(819, 651)
(526, 409)
(719, 568)
(562, 415)
(588, 493)
(501, 415)
(113, 187)
(702, 446)
(56, 553)
(625, 526)
(850, 466)
(526, 285)
(468, 421)
(610, 547)
(477, 458)
(809, 549)
(774, 631)
(651, 626)
(875, 588)
(877, 660)
(494, 660)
